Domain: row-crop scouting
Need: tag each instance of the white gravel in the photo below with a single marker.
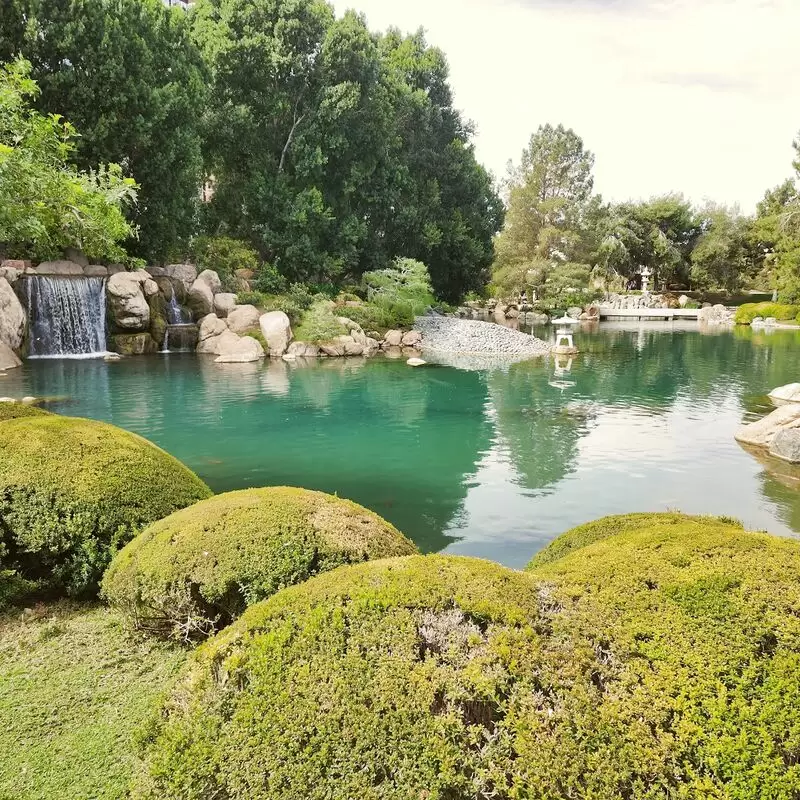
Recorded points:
(449, 335)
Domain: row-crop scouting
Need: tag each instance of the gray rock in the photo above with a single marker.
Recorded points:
(95, 271)
(683, 300)
(8, 358)
(211, 326)
(58, 268)
(412, 339)
(277, 330)
(786, 445)
(200, 299)
(186, 274)
(225, 342)
(762, 432)
(247, 350)
(128, 307)
(244, 318)
(303, 350)
(211, 279)
(574, 312)
(786, 394)
(224, 303)
(12, 317)
(393, 338)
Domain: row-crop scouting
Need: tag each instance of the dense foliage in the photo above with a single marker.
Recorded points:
(194, 572)
(746, 313)
(651, 656)
(46, 204)
(126, 73)
(335, 150)
(73, 491)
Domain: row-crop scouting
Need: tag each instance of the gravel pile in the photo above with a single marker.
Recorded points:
(449, 335)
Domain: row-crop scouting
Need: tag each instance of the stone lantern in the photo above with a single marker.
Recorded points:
(565, 344)
(647, 273)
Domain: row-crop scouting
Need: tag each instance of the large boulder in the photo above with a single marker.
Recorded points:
(786, 445)
(184, 274)
(73, 491)
(394, 338)
(342, 346)
(762, 432)
(8, 358)
(302, 350)
(412, 339)
(200, 299)
(63, 268)
(243, 318)
(245, 351)
(786, 394)
(211, 325)
(224, 343)
(277, 330)
(715, 315)
(95, 271)
(128, 307)
(12, 317)
(224, 303)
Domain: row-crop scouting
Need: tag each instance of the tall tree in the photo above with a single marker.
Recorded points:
(722, 257)
(127, 74)
(335, 150)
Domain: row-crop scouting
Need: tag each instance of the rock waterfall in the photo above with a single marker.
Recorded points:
(66, 315)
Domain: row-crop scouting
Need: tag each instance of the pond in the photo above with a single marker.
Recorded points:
(491, 462)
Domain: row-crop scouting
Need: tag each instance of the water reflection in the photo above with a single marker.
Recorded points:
(477, 457)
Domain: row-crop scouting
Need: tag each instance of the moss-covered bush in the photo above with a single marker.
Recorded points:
(746, 313)
(197, 570)
(18, 410)
(73, 491)
(320, 324)
(662, 661)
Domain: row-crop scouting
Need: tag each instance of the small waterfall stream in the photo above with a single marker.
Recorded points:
(67, 316)
(181, 334)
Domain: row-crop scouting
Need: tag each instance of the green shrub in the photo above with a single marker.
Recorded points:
(403, 291)
(197, 570)
(297, 299)
(381, 318)
(661, 661)
(746, 313)
(19, 410)
(223, 255)
(319, 324)
(72, 491)
(13, 588)
(268, 280)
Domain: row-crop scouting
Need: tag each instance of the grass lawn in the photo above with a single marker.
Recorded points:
(74, 687)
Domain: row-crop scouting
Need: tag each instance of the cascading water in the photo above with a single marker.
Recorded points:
(67, 316)
(181, 334)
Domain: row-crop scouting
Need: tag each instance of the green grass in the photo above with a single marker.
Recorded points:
(73, 690)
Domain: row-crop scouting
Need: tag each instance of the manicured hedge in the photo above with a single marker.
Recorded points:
(19, 410)
(662, 661)
(746, 313)
(197, 570)
(73, 491)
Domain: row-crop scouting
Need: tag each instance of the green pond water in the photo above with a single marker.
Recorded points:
(487, 461)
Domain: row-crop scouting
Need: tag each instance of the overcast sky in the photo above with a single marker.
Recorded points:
(699, 96)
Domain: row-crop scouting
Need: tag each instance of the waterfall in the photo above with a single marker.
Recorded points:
(67, 316)
(175, 314)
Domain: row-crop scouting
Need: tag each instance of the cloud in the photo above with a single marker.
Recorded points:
(699, 97)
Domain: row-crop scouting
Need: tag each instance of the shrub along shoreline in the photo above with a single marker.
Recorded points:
(647, 655)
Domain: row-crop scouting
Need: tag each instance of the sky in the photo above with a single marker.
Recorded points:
(696, 96)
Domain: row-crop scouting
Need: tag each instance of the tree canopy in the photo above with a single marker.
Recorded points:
(46, 204)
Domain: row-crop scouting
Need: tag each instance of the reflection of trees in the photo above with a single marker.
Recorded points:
(399, 441)
(538, 424)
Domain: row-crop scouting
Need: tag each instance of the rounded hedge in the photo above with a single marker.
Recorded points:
(73, 491)
(19, 410)
(194, 572)
(660, 662)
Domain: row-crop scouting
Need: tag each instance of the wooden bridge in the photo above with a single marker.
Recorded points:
(648, 313)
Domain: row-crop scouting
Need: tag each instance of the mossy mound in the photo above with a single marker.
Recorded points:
(19, 410)
(601, 529)
(197, 570)
(73, 491)
(659, 662)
